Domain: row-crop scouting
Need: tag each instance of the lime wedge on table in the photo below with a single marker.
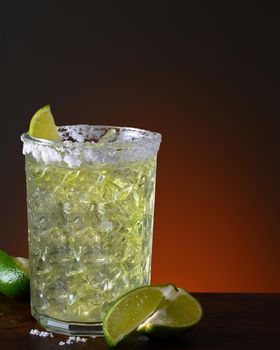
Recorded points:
(180, 313)
(132, 309)
(42, 125)
(14, 276)
(151, 310)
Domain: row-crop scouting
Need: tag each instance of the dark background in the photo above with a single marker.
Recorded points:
(205, 74)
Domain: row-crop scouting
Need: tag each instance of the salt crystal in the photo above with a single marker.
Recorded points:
(43, 334)
(36, 154)
(75, 132)
(50, 155)
(80, 138)
(72, 161)
(34, 332)
(80, 340)
(27, 148)
(89, 155)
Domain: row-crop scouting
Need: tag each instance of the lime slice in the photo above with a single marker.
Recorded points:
(14, 276)
(180, 313)
(132, 309)
(42, 125)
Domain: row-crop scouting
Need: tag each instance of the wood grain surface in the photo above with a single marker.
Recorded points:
(230, 321)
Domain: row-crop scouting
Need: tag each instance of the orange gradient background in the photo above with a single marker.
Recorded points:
(205, 78)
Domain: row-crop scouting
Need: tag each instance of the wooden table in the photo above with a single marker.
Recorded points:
(230, 321)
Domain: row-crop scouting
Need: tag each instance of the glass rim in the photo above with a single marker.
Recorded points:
(144, 137)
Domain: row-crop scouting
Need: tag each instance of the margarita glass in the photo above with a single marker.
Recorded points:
(90, 203)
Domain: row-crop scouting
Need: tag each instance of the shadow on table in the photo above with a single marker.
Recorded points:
(142, 342)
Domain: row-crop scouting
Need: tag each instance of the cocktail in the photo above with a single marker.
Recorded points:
(90, 202)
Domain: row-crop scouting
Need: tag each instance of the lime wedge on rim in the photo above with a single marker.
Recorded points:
(14, 276)
(42, 125)
(179, 314)
(131, 310)
(152, 310)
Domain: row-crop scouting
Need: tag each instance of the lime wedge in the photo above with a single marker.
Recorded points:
(14, 276)
(132, 309)
(42, 125)
(180, 313)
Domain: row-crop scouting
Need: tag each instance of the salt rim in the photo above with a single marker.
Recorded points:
(83, 143)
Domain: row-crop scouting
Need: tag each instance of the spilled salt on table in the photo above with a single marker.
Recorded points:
(69, 341)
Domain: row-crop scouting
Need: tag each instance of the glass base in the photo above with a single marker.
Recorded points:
(70, 328)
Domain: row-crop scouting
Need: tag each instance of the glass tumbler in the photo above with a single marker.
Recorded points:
(90, 203)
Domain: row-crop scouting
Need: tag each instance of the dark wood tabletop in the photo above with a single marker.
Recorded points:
(230, 321)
